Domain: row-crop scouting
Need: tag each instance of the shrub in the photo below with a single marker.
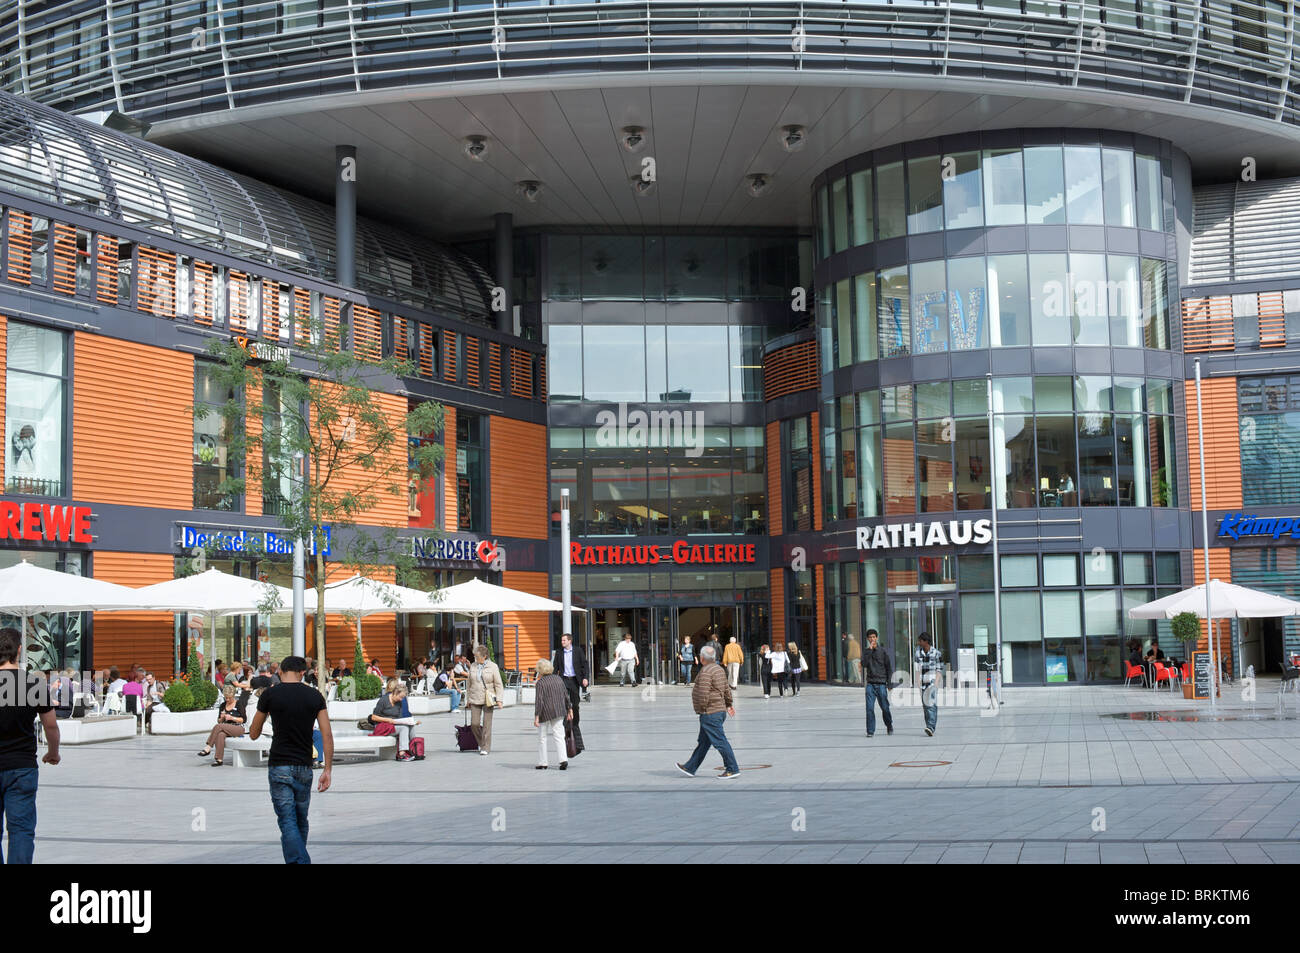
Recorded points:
(1186, 626)
(178, 697)
(360, 686)
(203, 691)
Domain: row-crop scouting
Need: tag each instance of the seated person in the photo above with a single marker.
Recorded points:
(373, 668)
(342, 671)
(442, 684)
(1154, 654)
(263, 678)
(388, 710)
(133, 695)
(460, 673)
(1135, 659)
(392, 685)
(62, 689)
(115, 681)
(231, 717)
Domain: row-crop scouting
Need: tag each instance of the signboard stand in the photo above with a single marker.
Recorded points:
(1201, 674)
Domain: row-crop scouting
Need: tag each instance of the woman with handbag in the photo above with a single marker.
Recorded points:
(484, 694)
(552, 707)
(797, 664)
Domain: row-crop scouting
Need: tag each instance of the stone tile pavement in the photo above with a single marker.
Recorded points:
(1053, 778)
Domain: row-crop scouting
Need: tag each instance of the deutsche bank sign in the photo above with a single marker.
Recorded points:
(914, 535)
(271, 544)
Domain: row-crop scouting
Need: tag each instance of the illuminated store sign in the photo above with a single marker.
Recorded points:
(454, 550)
(1237, 525)
(42, 522)
(915, 535)
(680, 553)
(242, 541)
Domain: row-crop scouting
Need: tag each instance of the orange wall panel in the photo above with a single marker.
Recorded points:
(1222, 445)
(126, 638)
(451, 517)
(815, 438)
(135, 448)
(820, 589)
(534, 627)
(775, 473)
(389, 470)
(778, 606)
(519, 468)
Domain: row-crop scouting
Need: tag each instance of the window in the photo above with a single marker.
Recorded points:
(895, 314)
(840, 213)
(611, 368)
(1149, 208)
(925, 196)
(212, 463)
(1044, 186)
(967, 304)
(929, 308)
(890, 220)
(1052, 314)
(1083, 185)
(799, 473)
(1004, 187)
(471, 472)
(1117, 186)
(863, 214)
(962, 196)
(1008, 300)
(35, 410)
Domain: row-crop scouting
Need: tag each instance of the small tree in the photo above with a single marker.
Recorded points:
(1186, 627)
(360, 685)
(322, 439)
(203, 691)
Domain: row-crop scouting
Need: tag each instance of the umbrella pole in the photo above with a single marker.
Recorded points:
(1205, 542)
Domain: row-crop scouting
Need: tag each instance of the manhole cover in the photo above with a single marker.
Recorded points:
(744, 767)
(919, 764)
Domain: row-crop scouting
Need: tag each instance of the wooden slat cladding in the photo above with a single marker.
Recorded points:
(20, 247)
(157, 281)
(390, 509)
(1222, 444)
(815, 438)
(367, 333)
(449, 355)
(789, 370)
(534, 627)
(332, 315)
(253, 396)
(519, 505)
(1272, 319)
(427, 342)
(777, 577)
(819, 575)
(301, 315)
(1207, 324)
(450, 504)
(775, 474)
(494, 366)
(271, 319)
(400, 349)
(471, 362)
(133, 452)
(521, 373)
(65, 259)
(204, 293)
(131, 638)
(106, 269)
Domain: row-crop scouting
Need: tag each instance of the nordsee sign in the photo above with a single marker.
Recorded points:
(915, 535)
(1237, 525)
(272, 544)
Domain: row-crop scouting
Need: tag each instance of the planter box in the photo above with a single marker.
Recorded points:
(528, 694)
(351, 711)
(184, 722)
(1187, 689)
(84, 731)
(428, 704)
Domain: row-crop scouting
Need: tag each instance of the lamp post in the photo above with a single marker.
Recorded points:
(299, 577)
(997, 567)
(566, 568)
(1215, 674)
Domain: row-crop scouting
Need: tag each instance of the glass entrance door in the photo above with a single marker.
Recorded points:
(912, 616)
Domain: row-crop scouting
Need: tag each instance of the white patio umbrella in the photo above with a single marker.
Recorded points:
(1226, 602)
(27, 590)
(477, 598)
(216, 593)
(363, 596)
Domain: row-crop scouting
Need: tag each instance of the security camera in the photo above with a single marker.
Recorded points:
(632, 137)
(476, 147)
(793, 138)
(758, 183)
(640, 186)
(529, 189)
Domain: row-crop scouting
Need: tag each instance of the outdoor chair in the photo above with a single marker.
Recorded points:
(1290, 678)
(1131, 672)
(1164, 674)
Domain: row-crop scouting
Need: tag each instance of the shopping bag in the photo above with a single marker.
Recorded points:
(611, 666)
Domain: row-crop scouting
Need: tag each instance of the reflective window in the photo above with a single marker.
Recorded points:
(929, 308)
(35, 402)
(564, 362)
(840, 214)
(962, 195)
(895, 316)
(843, 325)
(1004, 187)
(564, 264)
(1117, 179)
(746, 362)
(968, 311)
(1124, 292)
(1019, 571)
(696, 267)
(863, 214)
(1090, 321)
(212, 462)
(609, 370)
(1083, 184)
(1050, 311)
(1060, 569)
(864, 317)
(1009, 313)
(697, 363)
(1149, 208)
(612, 267)
(1044, 186)
(890, 221)
(925, 195)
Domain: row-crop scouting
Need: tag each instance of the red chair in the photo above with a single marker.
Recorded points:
(1131, 672)
(1187, 672)
(1164, 675)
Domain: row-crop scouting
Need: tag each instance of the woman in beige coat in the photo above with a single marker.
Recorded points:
(484, 681)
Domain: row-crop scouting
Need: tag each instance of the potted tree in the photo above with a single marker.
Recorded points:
(190, 703)
(357, 692)
(1186, 627)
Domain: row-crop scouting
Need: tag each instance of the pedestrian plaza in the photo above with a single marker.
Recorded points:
(1077, 775)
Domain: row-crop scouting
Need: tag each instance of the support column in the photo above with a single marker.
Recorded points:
(345, 214)
(504, 251)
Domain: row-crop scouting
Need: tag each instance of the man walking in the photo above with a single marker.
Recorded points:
(877, 667)
(928, 660)
(570, 664)
(293, 708)
(733, 658)
(627, 659)
(711, 697)
(24, 697)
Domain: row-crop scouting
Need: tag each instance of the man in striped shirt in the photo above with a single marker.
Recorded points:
(929, 660)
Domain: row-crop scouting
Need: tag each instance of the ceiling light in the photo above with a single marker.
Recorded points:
(632, 137)
(530, 189)
(793, 138)
(758, 183)
(640, 186)
(476, 147)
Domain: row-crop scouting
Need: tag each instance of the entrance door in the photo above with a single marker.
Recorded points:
(912, 616)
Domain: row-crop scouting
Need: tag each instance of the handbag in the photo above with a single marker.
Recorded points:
(570, 745)
(489, 699)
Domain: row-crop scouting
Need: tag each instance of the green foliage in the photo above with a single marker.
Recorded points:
(203, 692)
(1186, 626)
(178, 697)
(358, 660)
(360, 686)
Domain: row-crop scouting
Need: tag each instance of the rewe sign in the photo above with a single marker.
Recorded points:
(44, 522)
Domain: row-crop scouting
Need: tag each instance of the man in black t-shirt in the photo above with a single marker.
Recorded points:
(294, 709)
(24, 696)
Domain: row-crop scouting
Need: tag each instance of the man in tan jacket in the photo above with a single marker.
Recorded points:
(712, 699)
(733, 658)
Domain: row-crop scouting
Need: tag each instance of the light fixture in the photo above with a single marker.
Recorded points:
(530, 189)
(476, 147)
(758, 183)
(793, 138)
(632, 137)
(640, 186)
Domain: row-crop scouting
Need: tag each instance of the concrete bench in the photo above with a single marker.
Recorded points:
(84, 731)
(252, 754)
(428, 704)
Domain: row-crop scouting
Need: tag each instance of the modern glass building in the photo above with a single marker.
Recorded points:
(796, 301)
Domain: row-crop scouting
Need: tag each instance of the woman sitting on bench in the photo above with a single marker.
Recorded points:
(230, 722)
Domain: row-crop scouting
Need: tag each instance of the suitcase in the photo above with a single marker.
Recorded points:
(465, 739)
(417, 749)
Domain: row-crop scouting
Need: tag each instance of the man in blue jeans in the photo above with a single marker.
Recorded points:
(876, 669)
(24, 697)
(294, 708)
(712, 699)
(929, 661)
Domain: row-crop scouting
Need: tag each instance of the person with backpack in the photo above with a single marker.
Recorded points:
(686, 658)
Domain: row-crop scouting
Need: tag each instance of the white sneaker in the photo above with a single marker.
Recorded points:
(767, 696)
(482, 752)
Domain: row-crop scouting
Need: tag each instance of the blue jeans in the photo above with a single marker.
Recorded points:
(930, 702)
(686, 671)
(18, 813)
(455, 696)
(711, 734)
(878, 693)
(291, 797)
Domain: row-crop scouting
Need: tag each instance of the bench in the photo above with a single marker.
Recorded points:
(252, 754)
(82, 731)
